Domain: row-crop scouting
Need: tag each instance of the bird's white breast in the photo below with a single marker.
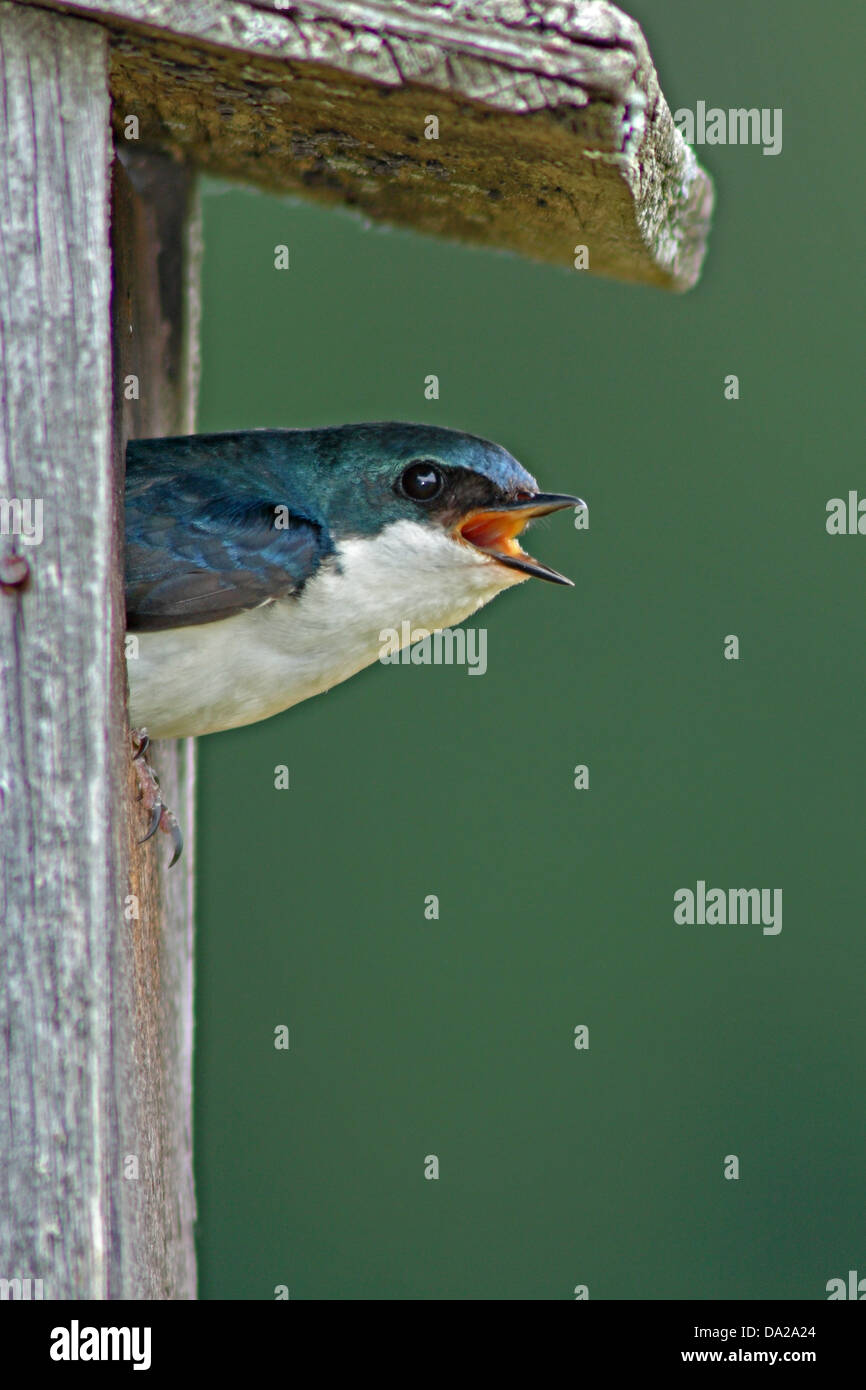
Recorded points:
(198, 679)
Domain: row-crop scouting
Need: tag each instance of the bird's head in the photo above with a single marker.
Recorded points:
(447, 488)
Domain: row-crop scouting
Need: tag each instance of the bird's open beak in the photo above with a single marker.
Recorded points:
(494, 531)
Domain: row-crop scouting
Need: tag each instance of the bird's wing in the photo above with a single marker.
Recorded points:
(199, 549)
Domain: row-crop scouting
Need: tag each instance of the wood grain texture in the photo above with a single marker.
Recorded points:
(61, 895)
(553, 131)
(95, 1005)
(154, 308)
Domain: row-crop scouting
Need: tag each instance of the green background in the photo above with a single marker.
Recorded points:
(561, 1167)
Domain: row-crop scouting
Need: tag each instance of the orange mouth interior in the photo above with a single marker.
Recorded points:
(494, 532)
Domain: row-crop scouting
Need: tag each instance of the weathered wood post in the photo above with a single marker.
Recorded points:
(96, 1008)
(488, 124)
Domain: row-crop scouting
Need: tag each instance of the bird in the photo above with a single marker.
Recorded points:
(263, 566)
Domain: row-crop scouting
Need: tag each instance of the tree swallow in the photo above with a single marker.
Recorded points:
(263, 566)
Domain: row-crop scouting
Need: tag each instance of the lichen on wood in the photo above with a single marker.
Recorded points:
(552, 129)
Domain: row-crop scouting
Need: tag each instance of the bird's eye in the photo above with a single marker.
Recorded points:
(421, 481)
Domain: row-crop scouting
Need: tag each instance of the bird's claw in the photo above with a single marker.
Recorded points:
(155, 818)
(174, 830)
(161, 818)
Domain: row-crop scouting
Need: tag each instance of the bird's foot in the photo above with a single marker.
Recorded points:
(161, 818)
